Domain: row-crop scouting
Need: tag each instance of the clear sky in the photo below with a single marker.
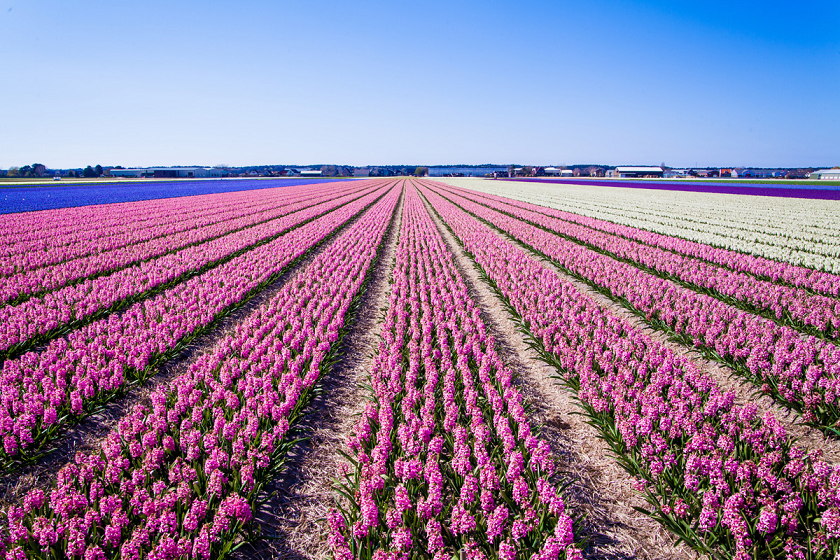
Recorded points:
(433, 82)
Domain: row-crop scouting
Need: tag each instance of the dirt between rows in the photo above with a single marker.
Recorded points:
(294, 518)
(599, 487)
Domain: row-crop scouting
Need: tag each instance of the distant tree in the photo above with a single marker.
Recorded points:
(98, 170)
(421, 171)
(88, 172)
(14, 172)
(26, 171)
(527, 170)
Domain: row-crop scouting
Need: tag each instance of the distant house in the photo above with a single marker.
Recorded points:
(310, 173)
(638, 172)
(361, 172)
(825, 174)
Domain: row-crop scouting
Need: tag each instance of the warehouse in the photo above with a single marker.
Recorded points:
(638, 172)
(825, 174)
(170, 172)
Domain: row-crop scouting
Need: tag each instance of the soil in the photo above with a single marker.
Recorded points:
(294, 519)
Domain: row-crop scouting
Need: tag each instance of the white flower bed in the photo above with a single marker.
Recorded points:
(801, 231)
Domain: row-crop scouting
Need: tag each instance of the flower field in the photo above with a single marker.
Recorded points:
(166, 366)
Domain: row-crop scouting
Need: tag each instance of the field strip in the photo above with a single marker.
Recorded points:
(773, 357)
(89, 220)
(466, 474)
(294, 518)
(75, 375)
(690, 219)
(666, 422)
(39, 320)
(762, 232)
(199, 459)
(809, 313)
(24, 285)
(600, 487)
(73, 240)
(782, 273)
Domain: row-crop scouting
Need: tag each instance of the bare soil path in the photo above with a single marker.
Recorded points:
(294, 519)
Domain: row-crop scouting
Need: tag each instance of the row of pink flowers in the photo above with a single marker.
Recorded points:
(63, 226)
(797, 307)
(44, 224)
(182, 478)
(51, 277)
(728, 481)
(40, 391)
(446, 459)
(763, 268)
(801, 371)
(104, 232)
(42, 315)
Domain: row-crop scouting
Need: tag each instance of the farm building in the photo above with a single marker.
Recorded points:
(310, 173)
(830, 174)
(638, 172)
(556, 171)
(170, 172)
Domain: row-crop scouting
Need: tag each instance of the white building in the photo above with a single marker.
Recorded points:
(556, 171)
(628, 171)
(310, 173)
(825, 174)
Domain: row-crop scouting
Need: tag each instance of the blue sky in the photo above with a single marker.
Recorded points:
(433, 82)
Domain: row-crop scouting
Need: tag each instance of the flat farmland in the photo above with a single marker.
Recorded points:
(404, 368)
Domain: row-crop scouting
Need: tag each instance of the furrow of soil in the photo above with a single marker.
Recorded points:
(599, 487)
(88, 435)
(293, 519)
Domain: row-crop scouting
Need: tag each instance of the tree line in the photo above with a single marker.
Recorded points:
(40, 170)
